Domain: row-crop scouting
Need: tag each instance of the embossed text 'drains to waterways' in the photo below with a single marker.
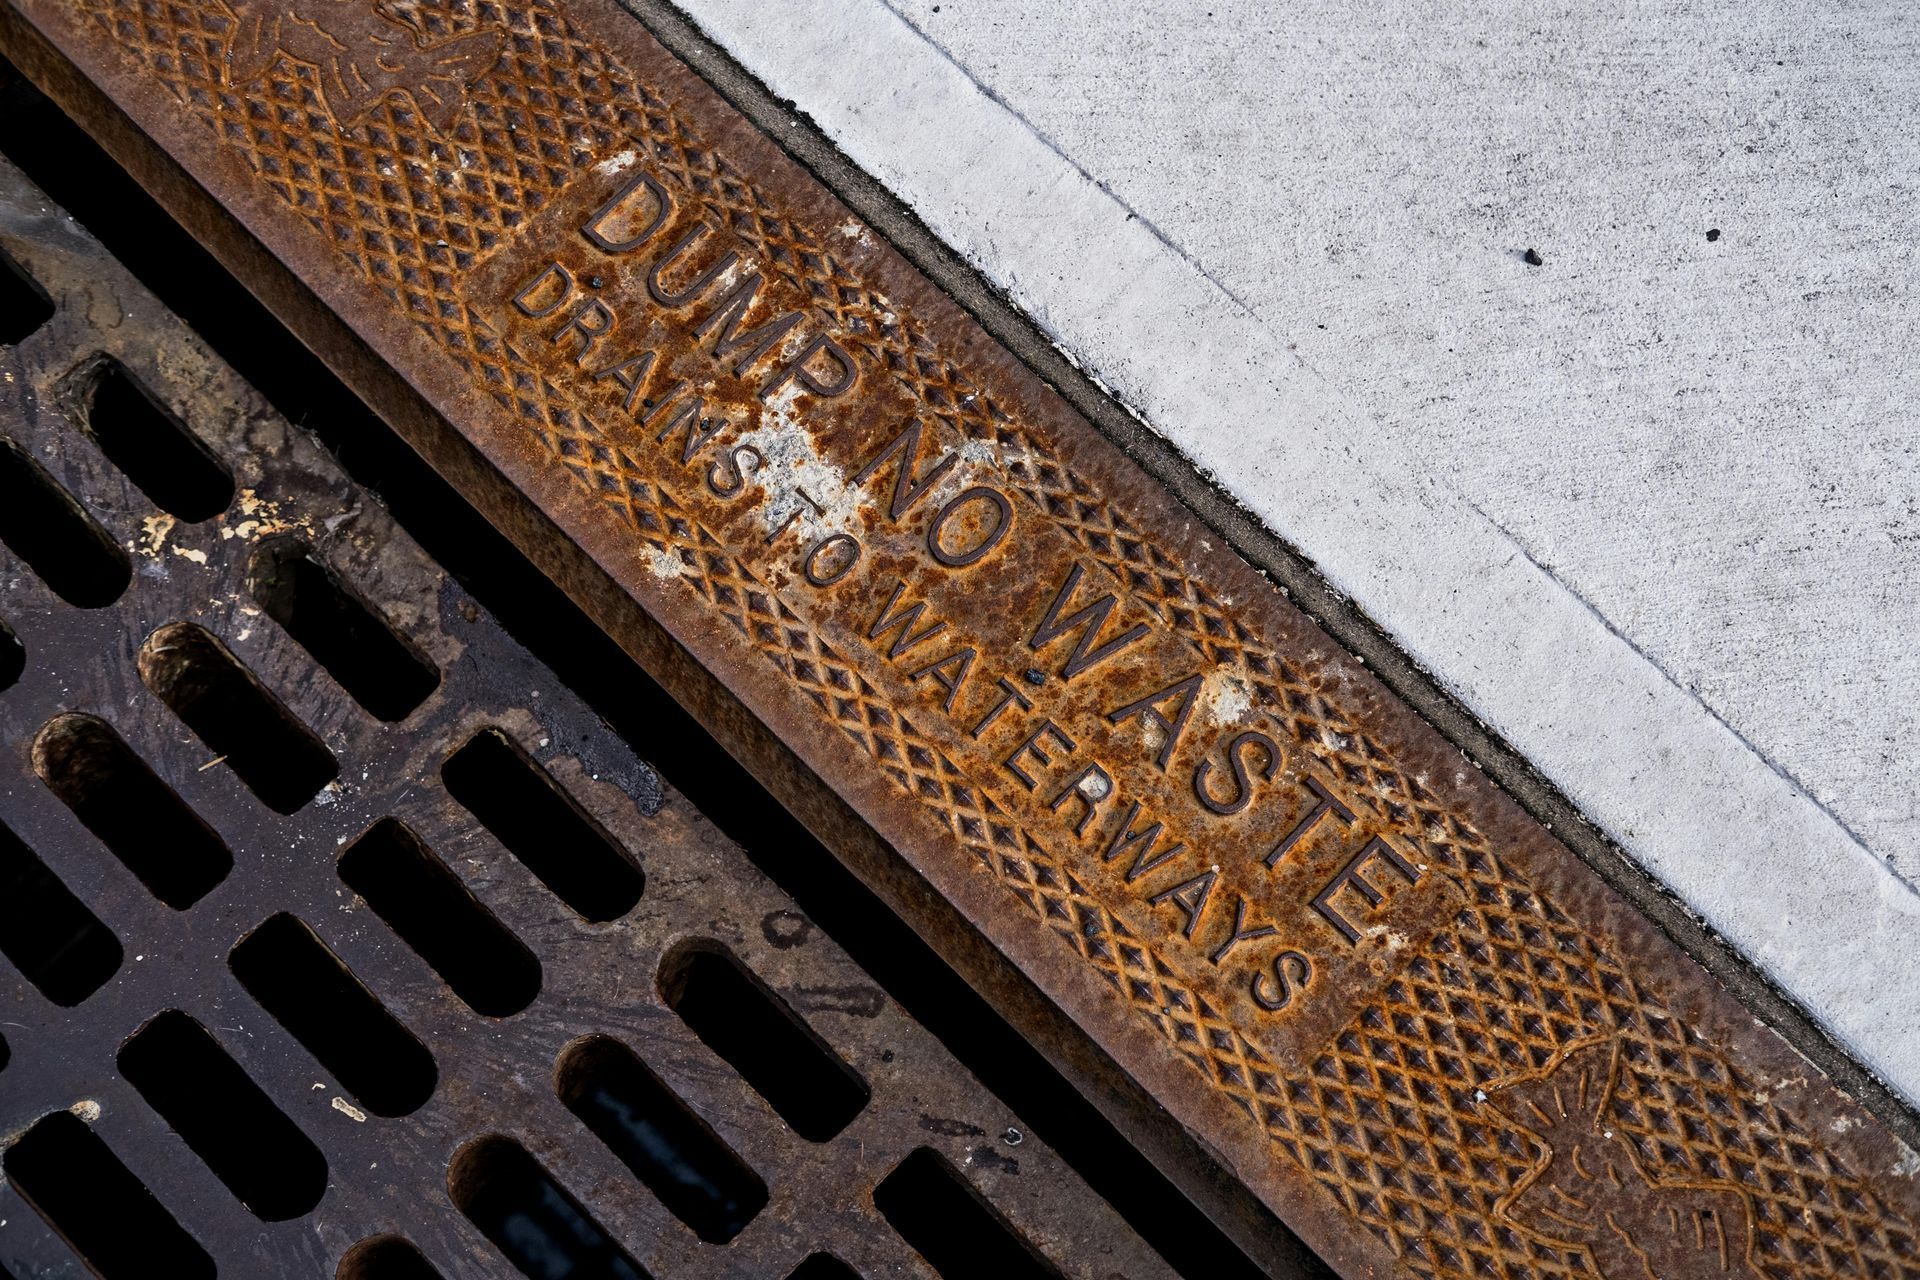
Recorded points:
(1398, 1010)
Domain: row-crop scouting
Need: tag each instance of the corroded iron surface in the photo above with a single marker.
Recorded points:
(592, 916)
(1398, 1010)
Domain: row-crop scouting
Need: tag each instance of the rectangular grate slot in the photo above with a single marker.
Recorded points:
(279, 758)
(65, 546)
(151, 447)
(13, 655)
(74, 1181)
(660, 1138)
(201, 1092)
(297, 978)
(24, 305)
(530, 1218)
(435, 914)
(743, 1021)
(132, 812)
(961, 1236)
(46, 932)
(385, 673)
(385, 1258)
(823, 1266)
(542, 826)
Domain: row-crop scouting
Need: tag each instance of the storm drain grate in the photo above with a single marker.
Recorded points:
(345, 941)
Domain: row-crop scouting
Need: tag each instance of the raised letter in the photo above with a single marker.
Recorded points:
(595, 229)
(906, 489)
(1149, 708)
(951, 682)
(657, 287)
(1240, 932)
(1242, 791)
(1091, 619)
(588, 335)
(699, 430)
(1350, 874)
(1031, 747)
(1328, 803)
(754, 343)
(842, 567)
(1303, 974)
(630, 373)
(1125, 839)
(1002, 525)
(1092, 786)
(524, 298)
(1010, 694)
(1192, 897)
(903, 620)
(797, 369)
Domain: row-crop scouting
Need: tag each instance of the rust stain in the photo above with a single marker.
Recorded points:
(1279, 901)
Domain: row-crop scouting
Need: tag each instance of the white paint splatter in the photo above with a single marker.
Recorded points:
(664, 564)
(618, 162)
(1227, 699)
(153, 533)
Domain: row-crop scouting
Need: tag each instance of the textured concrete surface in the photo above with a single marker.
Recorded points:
(1649, 508)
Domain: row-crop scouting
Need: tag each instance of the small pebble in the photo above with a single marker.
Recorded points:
(1532, 258)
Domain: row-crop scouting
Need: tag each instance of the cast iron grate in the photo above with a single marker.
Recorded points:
(341, 939)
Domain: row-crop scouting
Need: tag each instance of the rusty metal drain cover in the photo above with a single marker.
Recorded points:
(341, 939)
(1250, 899)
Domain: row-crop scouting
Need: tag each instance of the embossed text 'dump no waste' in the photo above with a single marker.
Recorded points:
(1412, 1022)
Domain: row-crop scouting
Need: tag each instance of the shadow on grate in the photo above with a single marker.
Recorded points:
(150, 446)
(425, 969)
(74, 1179)
(64, 545)
(72, 168)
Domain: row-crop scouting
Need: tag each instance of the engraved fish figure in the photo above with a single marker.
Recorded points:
(1592, 1191)
(363, 53)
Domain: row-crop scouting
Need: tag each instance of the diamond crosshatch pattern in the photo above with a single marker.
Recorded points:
(1389, 1119)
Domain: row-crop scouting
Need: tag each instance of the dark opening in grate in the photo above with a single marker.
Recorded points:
(435, 914)
(24, 305)
(76, 1182)
(252, 731)
(659, 1137)
(960, 1235)
(823, 1266)
(65, 546)
(777, 1053)
(136, 815)
(385, 1258)
(541, 825)
(46, 932)
(248, 1142)
(296, 978)
(152, 447)
(531, 1218)
(384, 672)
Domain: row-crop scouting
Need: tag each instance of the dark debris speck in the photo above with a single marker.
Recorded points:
(1532, 258)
